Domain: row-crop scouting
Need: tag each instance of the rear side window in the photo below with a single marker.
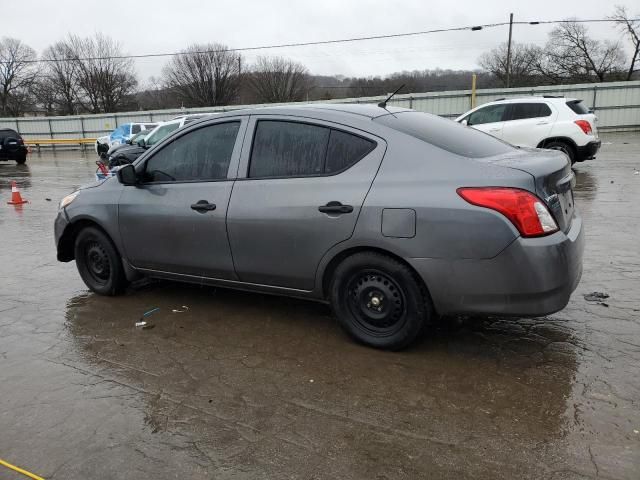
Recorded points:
(7, 133)
(488, 114)
(520, 111)
(293, 149)
(345, 150)
(578, 107)
(200, 155)
(446, 134)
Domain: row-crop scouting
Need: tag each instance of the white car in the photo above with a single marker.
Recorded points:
(121, 134)
(556, 123)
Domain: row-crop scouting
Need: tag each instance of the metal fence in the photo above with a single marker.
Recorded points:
(617, 105)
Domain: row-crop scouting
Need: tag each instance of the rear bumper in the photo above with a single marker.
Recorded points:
(588, 151)
(21, 151)
(531, 277)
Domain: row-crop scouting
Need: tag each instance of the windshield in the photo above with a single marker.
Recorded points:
(160, 132)
(446, 134)
(139, 136)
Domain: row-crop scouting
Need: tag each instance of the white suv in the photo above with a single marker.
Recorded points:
(541, 122)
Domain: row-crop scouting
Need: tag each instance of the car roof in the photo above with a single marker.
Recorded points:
(534, 99)
(339, 113)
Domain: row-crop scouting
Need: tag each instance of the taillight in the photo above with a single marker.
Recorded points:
(526, 211)
(584, 126)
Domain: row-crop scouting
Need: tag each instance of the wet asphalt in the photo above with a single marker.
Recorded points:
(245, 386)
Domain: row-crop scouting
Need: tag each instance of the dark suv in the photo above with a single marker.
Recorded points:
(12, 146)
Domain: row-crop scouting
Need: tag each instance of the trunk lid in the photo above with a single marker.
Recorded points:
(553, 178)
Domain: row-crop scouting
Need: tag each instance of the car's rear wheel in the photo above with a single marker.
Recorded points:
(99, 263)
(21, 159)
(564, 148)
(379, 301)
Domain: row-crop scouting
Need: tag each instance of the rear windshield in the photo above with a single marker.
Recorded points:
(446, 134)
(6, 132)
(578, 107)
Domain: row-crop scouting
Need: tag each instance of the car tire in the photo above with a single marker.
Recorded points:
(99, 263)
(564, 147)
(379, 301)
(21, 159)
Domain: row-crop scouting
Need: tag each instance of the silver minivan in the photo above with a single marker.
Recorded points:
(390, 215)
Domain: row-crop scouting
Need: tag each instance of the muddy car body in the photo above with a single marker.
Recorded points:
(392, 216)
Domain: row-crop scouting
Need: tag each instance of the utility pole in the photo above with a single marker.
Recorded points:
(509, 49)
(240, 79)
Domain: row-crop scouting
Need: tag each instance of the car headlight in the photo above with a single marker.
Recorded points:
(68, 199)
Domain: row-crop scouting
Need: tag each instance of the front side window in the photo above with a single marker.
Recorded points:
(489, 114)
(135, 129)
(520, 111)
(293, 149)
(201, 155)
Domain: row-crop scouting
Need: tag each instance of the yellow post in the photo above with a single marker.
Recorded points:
(473, 90)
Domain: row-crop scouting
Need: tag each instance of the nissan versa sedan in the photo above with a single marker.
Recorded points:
(390, 215)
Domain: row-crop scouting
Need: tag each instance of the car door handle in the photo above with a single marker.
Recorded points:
(335, 207)
(494, 129)
(203, 206)
(542, 123)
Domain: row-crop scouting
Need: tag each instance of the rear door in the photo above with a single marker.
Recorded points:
(174, 221)
(304, 184)
(489, 119)
(528, 123)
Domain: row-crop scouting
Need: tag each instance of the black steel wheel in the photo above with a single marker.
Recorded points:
(376, 302)
(98, 262)
(379, 301)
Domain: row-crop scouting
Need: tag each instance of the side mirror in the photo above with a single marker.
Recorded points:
(464, 122)
(142, 143)
(127, 175)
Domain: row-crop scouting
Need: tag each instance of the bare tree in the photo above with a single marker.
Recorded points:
(60, 76)
(522, 67)
(277, 79)
(570, 52)
(631, 28)
(204, 75)
(17, 74)
(105, 80)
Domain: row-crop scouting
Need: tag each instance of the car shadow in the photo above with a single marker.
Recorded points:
(237, 355)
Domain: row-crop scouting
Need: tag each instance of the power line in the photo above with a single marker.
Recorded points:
(327, 42)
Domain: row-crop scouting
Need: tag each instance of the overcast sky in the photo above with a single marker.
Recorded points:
(155, 26)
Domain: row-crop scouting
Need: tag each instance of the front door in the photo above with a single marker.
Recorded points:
(304, 187)
(174, 221)
(489, 119)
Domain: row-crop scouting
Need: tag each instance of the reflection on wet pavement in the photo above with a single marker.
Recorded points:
(249, 386)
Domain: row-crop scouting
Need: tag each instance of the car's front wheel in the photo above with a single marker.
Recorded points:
(99, 263)
(379, 301)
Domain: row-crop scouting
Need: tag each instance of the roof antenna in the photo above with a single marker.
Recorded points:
(383, 104)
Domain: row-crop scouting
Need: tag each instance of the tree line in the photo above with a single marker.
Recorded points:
(94, 75)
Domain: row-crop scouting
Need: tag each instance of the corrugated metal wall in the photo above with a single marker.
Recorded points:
(617, 105)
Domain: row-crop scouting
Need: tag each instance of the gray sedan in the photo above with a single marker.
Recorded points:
(390, 215)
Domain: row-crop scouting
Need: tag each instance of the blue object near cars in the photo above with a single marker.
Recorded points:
(125, 131)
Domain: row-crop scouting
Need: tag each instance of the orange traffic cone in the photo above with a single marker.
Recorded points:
(16, 198)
